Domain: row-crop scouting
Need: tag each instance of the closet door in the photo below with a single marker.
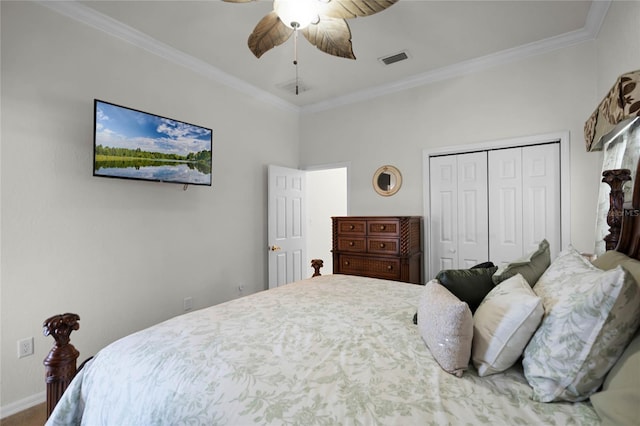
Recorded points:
(505, 205)
(443, 178)
(458, 219)
(541, 197)
(524, 201)
(473, 229)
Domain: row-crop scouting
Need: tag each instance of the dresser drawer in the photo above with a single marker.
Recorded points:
(352, 227)
(383, 246)
(370, 267)
(383, 227)
(358, 244)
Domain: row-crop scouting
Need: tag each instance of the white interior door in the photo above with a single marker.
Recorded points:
(443, 178)
(473, 228)
(286, 225)
(524, 194)
(505, 199)
(541, 197)
(458, 219)
(528, 195)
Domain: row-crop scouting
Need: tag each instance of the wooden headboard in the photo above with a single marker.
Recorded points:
(624, 221)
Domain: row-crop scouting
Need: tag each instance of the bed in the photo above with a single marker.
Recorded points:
(342, 349)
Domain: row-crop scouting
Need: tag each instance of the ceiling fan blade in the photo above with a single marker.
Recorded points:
(269, 33)
(332, 36)
(347, 9)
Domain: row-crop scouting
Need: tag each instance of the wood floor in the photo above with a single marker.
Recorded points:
(34, 416)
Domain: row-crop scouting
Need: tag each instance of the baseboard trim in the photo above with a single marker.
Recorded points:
(23, 404)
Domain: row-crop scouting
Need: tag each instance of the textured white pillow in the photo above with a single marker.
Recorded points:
(446, 326)
(503, 324)
(590, 316)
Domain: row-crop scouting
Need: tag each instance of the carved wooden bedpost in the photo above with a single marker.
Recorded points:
(615, 179)
(60, 364)
(316, 264)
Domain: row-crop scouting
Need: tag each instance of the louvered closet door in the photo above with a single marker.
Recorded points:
(458, 219)
(524, 201)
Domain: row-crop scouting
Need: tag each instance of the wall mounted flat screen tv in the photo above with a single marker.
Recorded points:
(132, 144)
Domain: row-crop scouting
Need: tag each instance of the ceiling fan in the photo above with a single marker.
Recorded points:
(322, 22)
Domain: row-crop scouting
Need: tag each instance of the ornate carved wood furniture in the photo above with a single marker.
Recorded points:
(316, 264)
(386, 247)
(629, 240)
(616, 180)
(60, 363)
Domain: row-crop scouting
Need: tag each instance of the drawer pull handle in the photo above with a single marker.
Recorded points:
(382, 227)
(346, 263)
(351, 227)
(381, 245)
(389, 267)
(351, 243)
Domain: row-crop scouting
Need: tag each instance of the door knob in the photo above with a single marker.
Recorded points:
(274, 248)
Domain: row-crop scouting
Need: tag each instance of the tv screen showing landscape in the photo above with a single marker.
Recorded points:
(132, 144)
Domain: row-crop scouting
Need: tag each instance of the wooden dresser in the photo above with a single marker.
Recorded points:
(387, 247)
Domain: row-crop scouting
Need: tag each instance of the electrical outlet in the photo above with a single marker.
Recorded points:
(188, 303)
(25, 347)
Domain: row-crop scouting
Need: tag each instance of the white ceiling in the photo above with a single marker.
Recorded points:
(442, 39)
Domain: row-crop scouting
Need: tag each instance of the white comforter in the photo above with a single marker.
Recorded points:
(332, 350)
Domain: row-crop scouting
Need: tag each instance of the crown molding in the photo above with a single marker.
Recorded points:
(97, 20)
(595, 18)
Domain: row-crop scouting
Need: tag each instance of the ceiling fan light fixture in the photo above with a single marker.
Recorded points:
(297, 14)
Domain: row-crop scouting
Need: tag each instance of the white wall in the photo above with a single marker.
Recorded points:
(326, 197)
(548, 93)
(122, 254)
(618, 45)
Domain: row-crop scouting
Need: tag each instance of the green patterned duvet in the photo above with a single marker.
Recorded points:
(332, 350)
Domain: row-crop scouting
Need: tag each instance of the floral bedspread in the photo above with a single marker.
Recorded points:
(332, 350)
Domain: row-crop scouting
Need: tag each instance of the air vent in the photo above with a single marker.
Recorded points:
(290, 86)
(392, 59)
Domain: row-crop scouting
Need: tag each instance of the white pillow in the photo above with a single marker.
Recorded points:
(503, 324)
(590, 316)
(446, 326)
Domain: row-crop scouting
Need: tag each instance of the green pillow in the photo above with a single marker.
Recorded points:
(530, 266)
(611, 259)
(618, 403)
(468, 285)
